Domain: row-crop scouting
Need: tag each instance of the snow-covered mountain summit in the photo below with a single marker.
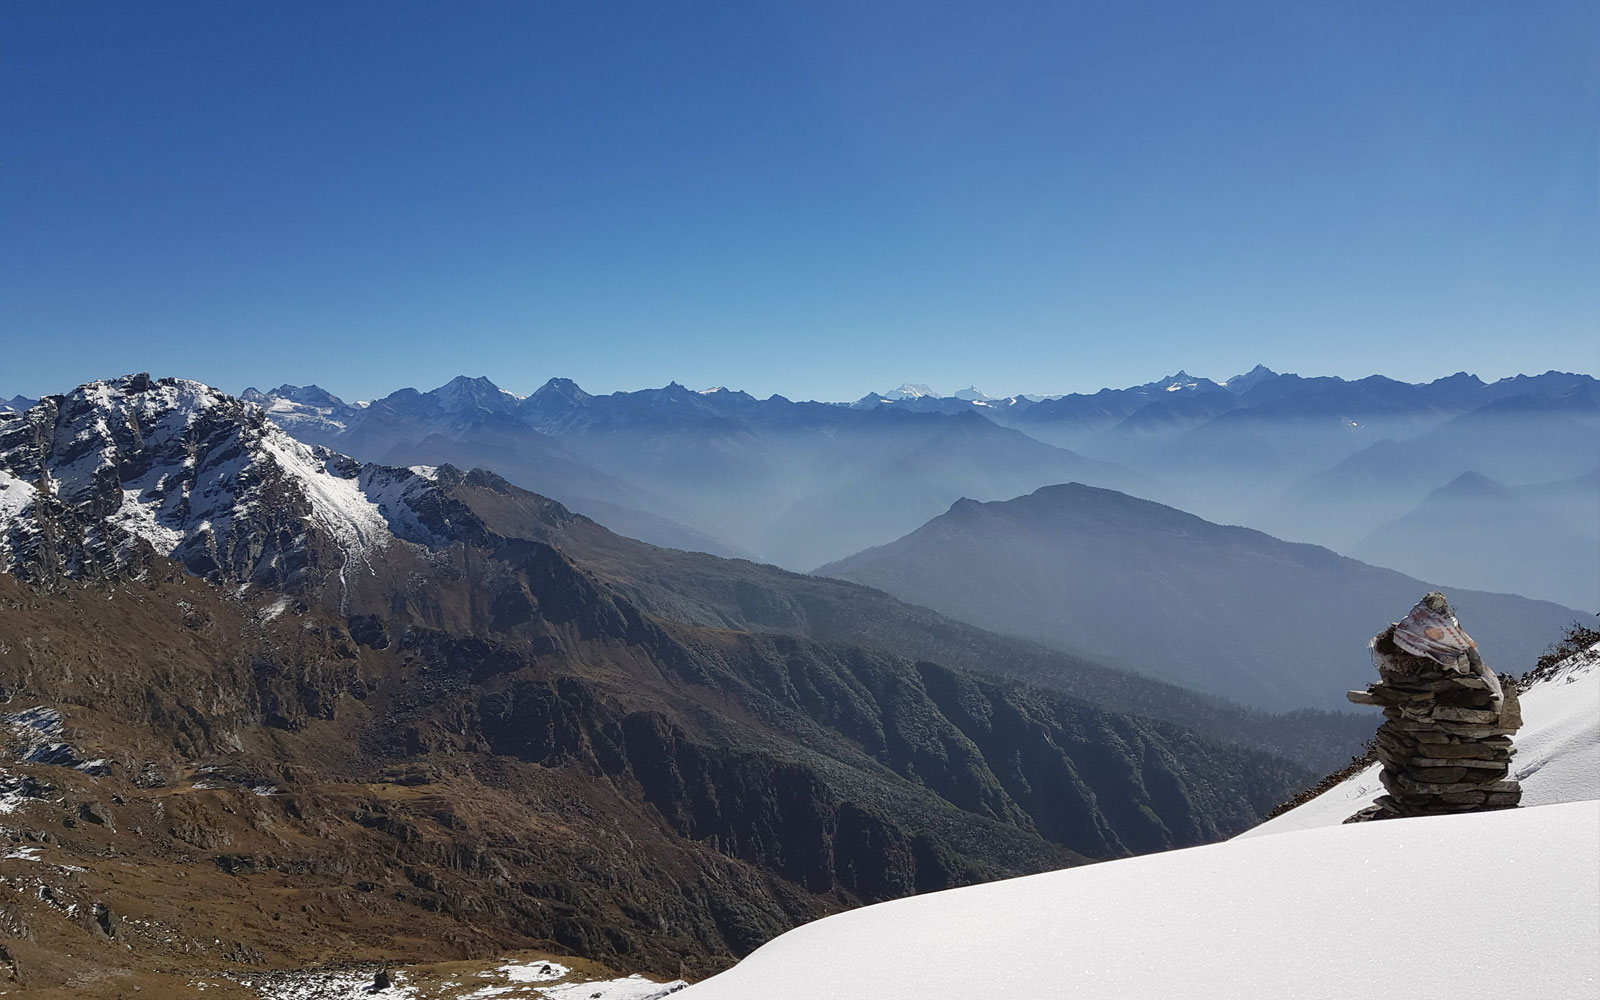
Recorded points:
(304, 410)
(1181, 381)
(305, 395)
(95, 479)
(462, 394)
(910, 390)
(1250, 379)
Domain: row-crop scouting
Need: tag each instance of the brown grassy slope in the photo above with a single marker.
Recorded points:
(575, 777)
(431, 855)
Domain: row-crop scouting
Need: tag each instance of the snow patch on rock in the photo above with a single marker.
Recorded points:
(322, 985)
(631, 988)
(273, 610)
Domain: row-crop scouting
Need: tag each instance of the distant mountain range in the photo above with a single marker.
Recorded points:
(1324, 460)
(792, 483)
(1517, 440)
(1225, 610)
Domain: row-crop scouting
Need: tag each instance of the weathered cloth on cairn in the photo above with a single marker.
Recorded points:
(1445, 742)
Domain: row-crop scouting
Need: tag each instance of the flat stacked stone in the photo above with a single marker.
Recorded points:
(1445, 742)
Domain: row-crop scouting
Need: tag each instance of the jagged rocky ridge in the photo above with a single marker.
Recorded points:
(97, 480)
(375, 696)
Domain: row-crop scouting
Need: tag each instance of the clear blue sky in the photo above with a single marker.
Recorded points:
(816, 199)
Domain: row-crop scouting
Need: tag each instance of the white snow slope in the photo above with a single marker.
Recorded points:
(1494, 905)
(1557, 759)
(1346, 911)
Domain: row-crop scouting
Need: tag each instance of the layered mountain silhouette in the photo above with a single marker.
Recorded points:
(1222, 609)
(1518, 440)
(698, 589)
(285, 680)
(719, 471)
(1541, 540)
(1318, 459)
(1265, 448)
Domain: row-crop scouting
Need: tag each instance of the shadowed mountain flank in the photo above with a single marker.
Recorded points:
(735, 594)
(1222, 609)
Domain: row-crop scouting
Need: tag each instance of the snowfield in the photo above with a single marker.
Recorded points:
(1345, 911)
(1557, 759)
(1483, 905)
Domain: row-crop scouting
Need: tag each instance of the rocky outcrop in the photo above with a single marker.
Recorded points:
(1445, 742)
(94, 481)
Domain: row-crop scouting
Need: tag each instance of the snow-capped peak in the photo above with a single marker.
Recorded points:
(871, 400)
(973, 394)
(307, 411)
(309, 395)
(1250, 379)
(197, 475)
(564, 390)
(1180, 381)
(910, 390)
(463, 394)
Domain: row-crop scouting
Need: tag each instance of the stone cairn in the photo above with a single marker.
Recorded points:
(1445, 741)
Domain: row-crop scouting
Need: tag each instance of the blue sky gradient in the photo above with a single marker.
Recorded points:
(814, 199)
